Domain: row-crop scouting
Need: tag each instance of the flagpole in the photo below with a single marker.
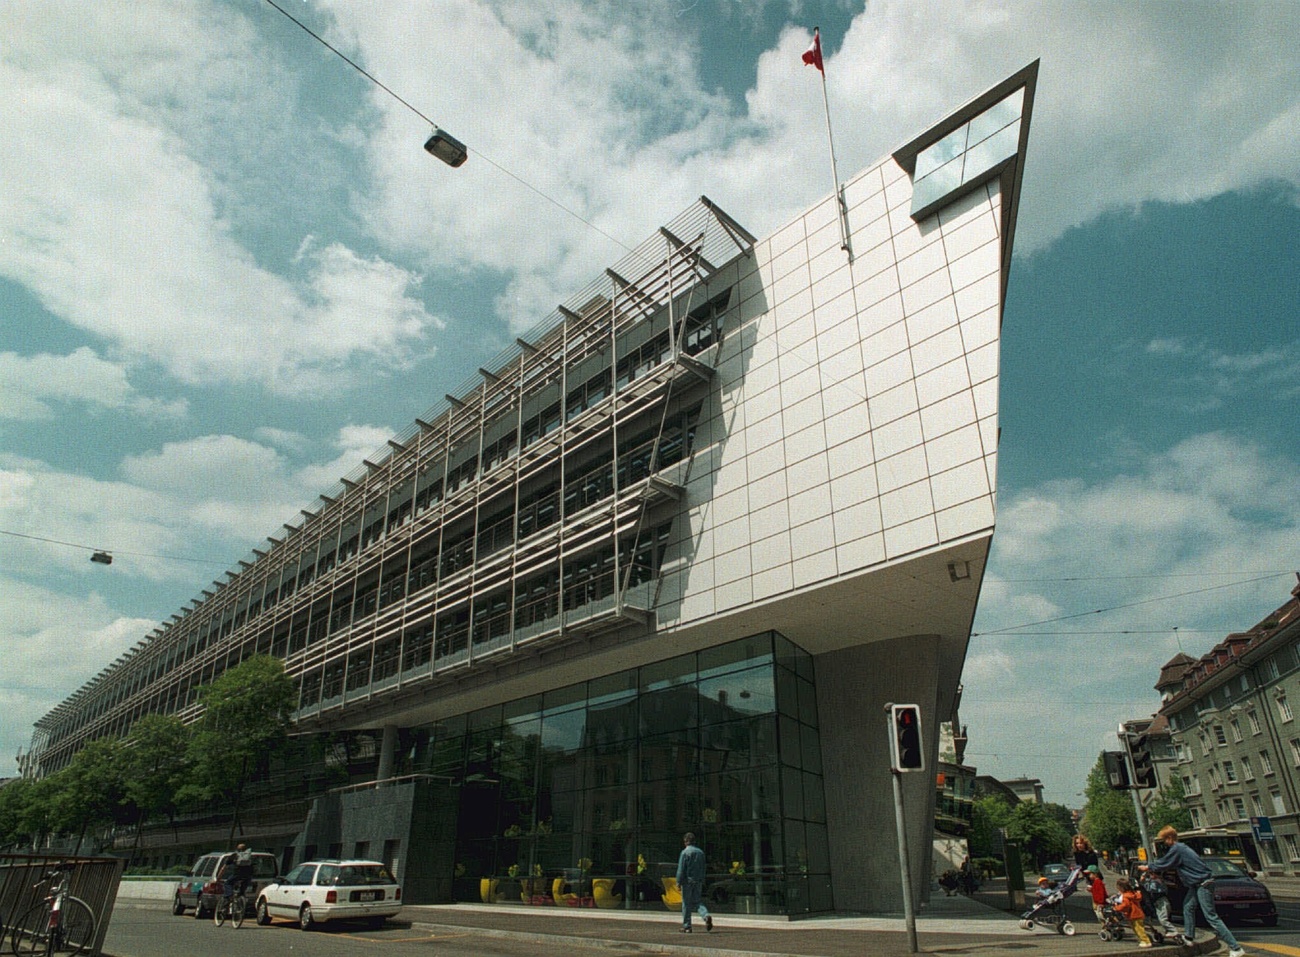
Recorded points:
(842, 210)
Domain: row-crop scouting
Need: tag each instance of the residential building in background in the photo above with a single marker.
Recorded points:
(1232, 718)
(1026, 789)
(658, 569)
(954, 797)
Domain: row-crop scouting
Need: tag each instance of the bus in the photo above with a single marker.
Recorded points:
(1222, 842)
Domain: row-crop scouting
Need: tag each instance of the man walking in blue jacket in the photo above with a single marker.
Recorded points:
(690, 878)
(1198, 880)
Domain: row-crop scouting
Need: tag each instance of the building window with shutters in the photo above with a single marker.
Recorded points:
(1292, 846)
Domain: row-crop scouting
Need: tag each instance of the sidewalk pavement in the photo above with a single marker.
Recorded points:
(946, 925)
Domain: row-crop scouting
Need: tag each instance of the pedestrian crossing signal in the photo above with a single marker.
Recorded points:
(905, 743)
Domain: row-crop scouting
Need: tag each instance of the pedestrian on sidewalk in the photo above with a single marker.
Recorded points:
(1130, 906)
(690, 879)
(1084, 856)
(1199, 881)
(1098, 888)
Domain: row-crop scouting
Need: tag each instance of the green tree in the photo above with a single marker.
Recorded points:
(1040, 835)
(989, 815)
(156, 762)
(1169, 807)
(1108, 818)
(93, 792)
(1062, 815)
(244, 724)
(13, 805)
(38, 811)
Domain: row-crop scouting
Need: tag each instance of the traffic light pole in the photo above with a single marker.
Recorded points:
(904, 864)
(1138, 810)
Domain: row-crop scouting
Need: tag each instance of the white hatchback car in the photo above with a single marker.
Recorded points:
(319, 891)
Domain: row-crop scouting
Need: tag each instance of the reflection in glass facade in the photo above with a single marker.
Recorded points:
(595, 783)
(967, 155)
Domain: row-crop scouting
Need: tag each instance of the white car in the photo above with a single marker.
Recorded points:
(319, 891)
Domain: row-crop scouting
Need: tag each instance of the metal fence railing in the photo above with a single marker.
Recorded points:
(92, 879)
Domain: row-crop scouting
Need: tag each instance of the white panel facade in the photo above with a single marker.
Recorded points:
(855, 399)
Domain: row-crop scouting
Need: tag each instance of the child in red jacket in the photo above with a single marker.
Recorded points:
(1098, 888)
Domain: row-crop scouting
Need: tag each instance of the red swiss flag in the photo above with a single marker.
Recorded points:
(813, 55)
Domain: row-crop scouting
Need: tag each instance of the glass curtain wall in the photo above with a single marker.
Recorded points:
(580, 796)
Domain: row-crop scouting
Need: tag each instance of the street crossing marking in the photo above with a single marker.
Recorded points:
(1276, 948)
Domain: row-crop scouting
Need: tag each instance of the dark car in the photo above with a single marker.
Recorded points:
(1056, 872)
(1237, 895)
(201, 889)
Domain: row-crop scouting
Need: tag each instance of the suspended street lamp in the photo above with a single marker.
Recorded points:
(446, 147)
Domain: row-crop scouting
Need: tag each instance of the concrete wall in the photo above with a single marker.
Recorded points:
(373, 816)
(150, 890)
(853, 686)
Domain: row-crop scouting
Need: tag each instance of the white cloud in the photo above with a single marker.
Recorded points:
(1101, 583)
(600, 107)
(31, 386)
(1135, 103)
(52, 642)
(1211, 373)
(117, 219)
(198, 499)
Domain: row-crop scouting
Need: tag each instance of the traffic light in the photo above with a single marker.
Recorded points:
(1144, 769)
(905, 746)
(1116, 770)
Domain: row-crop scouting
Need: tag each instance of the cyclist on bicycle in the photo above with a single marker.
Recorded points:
(238, 871)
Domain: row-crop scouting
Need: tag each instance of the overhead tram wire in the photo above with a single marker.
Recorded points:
(1124, 578)
(92, 548)
(483, 156)
(1012, 629)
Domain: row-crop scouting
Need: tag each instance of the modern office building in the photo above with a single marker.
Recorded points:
(661, 567)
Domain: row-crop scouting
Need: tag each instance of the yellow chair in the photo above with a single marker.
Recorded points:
(489, 890)
(558, 894)
(672, 894)
(531, 887)
(602, 889)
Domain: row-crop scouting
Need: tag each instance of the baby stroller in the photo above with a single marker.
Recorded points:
(1050, 910)
(1113, 924)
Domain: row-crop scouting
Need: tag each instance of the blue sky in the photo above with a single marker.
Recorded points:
(228, 272)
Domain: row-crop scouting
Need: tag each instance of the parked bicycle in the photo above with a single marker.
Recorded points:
(232, 907)
(58, 924)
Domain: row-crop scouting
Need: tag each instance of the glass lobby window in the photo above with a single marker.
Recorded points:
(617, 768)
(730, 696)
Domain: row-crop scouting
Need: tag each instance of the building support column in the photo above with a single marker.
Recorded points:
(853, 686)
(387, 750)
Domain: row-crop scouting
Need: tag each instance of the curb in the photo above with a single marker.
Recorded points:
(631, 946)
(689, 950)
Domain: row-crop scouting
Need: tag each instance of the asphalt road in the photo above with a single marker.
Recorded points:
(151, 931)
